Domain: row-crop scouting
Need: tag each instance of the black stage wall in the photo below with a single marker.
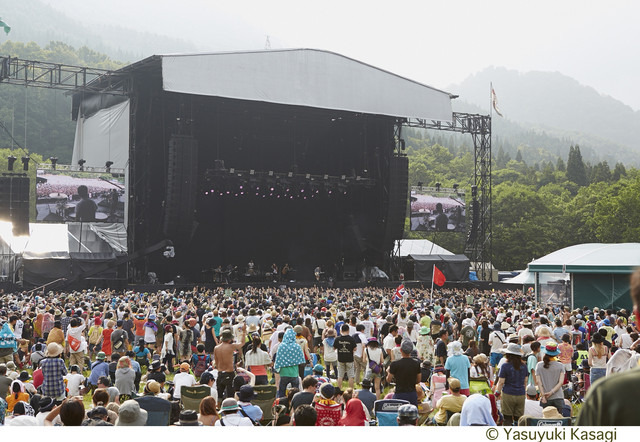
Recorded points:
(331, 230)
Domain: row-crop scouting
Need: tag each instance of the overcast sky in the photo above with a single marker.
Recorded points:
(436, 43)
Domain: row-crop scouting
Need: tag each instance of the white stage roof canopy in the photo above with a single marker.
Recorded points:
(304, 77)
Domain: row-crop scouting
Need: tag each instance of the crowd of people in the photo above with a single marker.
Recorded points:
(455, 357)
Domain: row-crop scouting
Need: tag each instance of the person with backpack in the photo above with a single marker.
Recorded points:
(76, 343)
(200, 361)
(119, 339)
(142, 354)
(496, 341)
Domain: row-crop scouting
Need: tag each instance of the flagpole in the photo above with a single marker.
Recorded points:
(433, 274)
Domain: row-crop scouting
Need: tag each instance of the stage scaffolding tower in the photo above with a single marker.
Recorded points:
(478, 246)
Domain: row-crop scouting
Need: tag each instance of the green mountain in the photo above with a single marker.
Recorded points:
(552, 111)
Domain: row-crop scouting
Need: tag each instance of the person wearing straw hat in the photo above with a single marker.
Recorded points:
(53, 372)
(550, 377)
(512, 380)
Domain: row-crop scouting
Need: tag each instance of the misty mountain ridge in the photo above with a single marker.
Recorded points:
(544, 112)
(558, 109)
(38, 22)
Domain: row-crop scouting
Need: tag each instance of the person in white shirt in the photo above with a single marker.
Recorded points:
(183, 378)
(76, 342)
(624, 339)
(497, 339)
(368, 325)
(74, 380)
(389, 341)
(358, 357)
(532, 406)
(525, 330)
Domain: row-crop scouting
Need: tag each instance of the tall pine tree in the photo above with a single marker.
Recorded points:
(576, 170)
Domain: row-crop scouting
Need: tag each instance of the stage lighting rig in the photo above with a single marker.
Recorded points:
(54, 162)
(81, 164)
(11, 160)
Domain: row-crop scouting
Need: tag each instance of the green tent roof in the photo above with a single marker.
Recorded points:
(590, 258)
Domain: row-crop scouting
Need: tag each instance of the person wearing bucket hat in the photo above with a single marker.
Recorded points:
(131, 415)
(458, 366)
(550, 375)
(512, 379)
(230, 416)
(188, 418)
(98, 369)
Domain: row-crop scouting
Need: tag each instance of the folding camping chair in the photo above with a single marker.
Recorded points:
(538, 422)
(265, 396)
(386, 411)
(158, 410)
(190, 397)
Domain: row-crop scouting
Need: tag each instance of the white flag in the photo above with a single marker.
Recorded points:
(494, 101)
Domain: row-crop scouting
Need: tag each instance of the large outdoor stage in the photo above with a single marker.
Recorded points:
(291, 156)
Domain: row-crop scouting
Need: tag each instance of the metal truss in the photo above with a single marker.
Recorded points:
(479, 241)
(60, 76)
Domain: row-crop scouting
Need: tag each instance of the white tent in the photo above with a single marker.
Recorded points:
(419, 247)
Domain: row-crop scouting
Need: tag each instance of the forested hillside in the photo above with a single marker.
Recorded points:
(40, 119)
(538, 207)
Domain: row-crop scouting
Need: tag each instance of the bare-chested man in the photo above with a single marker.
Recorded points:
(223, 357)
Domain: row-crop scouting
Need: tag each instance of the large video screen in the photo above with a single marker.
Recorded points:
(73, 196)
(433, 211)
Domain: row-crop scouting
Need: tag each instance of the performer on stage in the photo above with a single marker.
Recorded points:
(318, 272)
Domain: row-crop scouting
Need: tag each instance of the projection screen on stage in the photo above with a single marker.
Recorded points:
(104, 136)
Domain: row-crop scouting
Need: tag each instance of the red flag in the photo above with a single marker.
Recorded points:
(438, 277)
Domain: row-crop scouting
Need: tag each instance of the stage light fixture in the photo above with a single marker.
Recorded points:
(455, 186)
(271, 173)
(25, 163)
(326, 177)
(11, 159)
(252, 172)
(307, 176)
(108, 165)
(81, 164)
(290, 175)
(232, 170)
(402, 144)
(438, 187)
(474, 191)
(420, 183)
(54, 162)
